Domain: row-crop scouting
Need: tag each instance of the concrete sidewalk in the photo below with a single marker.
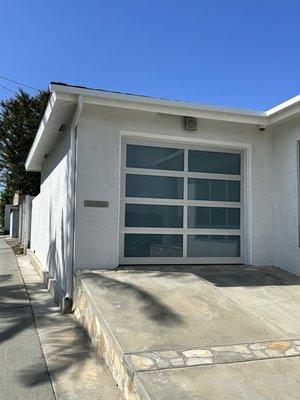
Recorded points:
(44, 354)
(21, 357)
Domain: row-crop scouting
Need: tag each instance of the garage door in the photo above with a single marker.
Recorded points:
(180, 204)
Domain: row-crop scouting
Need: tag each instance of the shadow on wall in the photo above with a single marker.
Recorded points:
(58, 153)
(52, 235)
(59, 255)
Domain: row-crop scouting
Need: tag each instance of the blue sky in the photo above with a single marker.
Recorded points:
(230, 53)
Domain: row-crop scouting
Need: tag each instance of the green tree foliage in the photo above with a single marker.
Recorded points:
(5, 198)
(19, 120)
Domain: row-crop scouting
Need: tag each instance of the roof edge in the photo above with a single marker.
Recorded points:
(67, 94)
(176, 107)
(45, 118)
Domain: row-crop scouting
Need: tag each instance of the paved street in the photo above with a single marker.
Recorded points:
(23, 371)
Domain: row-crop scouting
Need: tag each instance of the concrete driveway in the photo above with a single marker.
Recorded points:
(208, 333)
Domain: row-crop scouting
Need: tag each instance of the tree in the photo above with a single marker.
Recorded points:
(19, 120)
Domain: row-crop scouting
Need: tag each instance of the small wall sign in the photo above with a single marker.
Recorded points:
(96, 203)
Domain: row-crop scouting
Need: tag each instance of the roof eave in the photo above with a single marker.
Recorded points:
(45, 118)
(64, 97)
(57, 112)
(148, 104)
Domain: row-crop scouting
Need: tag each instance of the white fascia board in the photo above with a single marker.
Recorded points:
(283, 111)
(284, 115)
(283, 106)
(40, 131)
(270, 117)
(57, 113)
(162, 106)
(67, 95)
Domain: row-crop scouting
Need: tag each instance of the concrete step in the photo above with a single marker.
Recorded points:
(273, 379)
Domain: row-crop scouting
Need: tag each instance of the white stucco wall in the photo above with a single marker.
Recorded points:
(286, 249)
(99, 139)
(273, 174)
(50, 233)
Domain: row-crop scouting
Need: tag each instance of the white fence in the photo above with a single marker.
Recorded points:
(25, 222)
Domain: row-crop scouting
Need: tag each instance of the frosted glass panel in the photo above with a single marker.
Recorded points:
(159, 216)
(164, 187)
(213, 218)
(154, 157)
(213, 189)
(214, 162)
(213, 246)
(148, 245)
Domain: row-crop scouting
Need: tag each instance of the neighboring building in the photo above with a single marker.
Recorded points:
(12, 215)
(14, 222)
(130, 180)
(18, 198)
(7, 217)
(25, 221)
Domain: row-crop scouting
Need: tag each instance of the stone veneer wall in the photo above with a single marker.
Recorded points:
(102, 339)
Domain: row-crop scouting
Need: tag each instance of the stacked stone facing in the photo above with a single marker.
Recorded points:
(212, 355)
(102, 340)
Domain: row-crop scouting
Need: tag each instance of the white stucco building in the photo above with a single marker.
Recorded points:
(130, 180)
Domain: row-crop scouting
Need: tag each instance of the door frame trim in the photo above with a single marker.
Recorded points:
(214, 145)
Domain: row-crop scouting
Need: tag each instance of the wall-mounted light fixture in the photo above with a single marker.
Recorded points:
(190, 123)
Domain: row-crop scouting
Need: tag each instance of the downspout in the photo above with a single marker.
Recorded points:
(67, 301)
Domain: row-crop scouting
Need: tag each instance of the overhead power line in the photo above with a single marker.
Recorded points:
(4, 87)
(18, 83)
